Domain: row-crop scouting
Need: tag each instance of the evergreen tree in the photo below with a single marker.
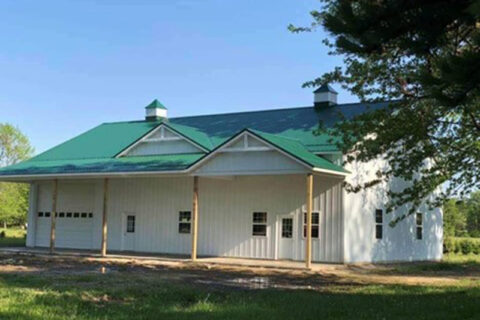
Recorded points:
(424, 57)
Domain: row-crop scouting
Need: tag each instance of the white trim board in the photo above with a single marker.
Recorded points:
(161, 128)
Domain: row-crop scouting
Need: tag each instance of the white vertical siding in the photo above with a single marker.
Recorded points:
(163, 147)
(399, 243)
(226, 206)
(32, 214)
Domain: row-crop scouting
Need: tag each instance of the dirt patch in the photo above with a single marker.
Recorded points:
(219, 276)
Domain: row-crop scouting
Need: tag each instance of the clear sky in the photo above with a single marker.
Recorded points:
(67, 66)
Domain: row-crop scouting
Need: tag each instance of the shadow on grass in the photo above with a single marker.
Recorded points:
(129, 296)
(457, 265)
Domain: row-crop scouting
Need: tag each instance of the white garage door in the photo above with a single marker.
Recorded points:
(74, 220)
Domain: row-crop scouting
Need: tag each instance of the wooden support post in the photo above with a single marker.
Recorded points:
(53, 215)
(104, 218)
(308, 246)
(195, 218)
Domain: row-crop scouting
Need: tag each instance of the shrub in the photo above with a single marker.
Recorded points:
(2, 234)
(461, 245)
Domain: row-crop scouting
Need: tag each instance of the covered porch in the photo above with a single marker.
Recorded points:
(293, 217)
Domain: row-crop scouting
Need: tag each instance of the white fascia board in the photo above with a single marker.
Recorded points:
(330, 172)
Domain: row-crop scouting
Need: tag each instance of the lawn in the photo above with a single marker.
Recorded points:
(131, 293)
(14, 237)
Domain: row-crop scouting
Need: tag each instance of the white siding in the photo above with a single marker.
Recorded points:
(163, 147)
(32, 214)
(225, 214)
(250, 162)
(163, 141)
(399, 243)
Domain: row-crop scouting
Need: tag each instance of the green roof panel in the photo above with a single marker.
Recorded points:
(103, 165)
(296, 149)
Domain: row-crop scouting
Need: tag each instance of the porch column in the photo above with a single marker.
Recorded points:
(195, 218)
(308, 246)
(104, 218)
(52, 215)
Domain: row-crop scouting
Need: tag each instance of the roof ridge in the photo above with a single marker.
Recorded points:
(276, 135)
(253, 111)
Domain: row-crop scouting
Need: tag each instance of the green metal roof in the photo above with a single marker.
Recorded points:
(104, 165)
(289, 129)
(104, 141)
(155, 104)
(297, 150)
(192, 134)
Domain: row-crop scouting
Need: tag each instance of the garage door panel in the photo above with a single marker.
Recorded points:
(74, 221)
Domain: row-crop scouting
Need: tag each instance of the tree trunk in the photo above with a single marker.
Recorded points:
(4, 224)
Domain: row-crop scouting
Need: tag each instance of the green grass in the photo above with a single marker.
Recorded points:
(121, 296)
(14, 237)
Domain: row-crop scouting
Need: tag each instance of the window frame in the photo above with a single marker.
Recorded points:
(378, 224)
(282, 229)
(419, 226)
(127, 225)
(304, 225)
(182, 222)
(263, 223)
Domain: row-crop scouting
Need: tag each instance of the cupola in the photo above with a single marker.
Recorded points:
(325, 96)
(155, 111)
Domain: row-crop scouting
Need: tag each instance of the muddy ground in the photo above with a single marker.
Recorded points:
(236, 277)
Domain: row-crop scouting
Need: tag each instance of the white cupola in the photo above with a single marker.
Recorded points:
(155, 111)
(325, 96)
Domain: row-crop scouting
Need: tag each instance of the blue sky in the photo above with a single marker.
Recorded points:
(67, 66)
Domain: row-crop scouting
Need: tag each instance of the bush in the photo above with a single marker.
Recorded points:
(2, 234)
(461, 245)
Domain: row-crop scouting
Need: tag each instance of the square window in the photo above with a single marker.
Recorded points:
(259, 217)
(90, 215)
(69, 214)
(183, 227)
(47, 214)
(84, 214)
(76, 214)
(40, 214)
(61, 214)
(259, 230)
(184, 216)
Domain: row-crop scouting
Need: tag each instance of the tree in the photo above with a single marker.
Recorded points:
(423, 57)
(454, 219)
(14, 147)
(473, 214)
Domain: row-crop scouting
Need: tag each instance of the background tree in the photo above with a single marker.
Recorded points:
(454, 219)
(14, 147)
(473, 214)
(424, 56)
